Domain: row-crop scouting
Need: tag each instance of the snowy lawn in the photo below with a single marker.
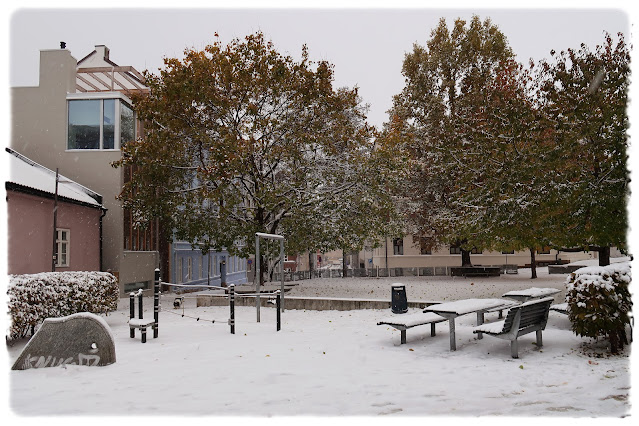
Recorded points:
(334, 363)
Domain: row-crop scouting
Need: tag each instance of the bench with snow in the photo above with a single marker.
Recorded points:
(475, 271)
(521, 319)
(139, 323)
(142, 324)
(405, 321)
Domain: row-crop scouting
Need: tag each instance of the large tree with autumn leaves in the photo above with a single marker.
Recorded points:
(507, 158)
(241, 139)
(436, 115)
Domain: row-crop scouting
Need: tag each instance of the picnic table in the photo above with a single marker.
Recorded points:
(451, 310)
(531, 293)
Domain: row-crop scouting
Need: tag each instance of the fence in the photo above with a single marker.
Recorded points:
(365, 273)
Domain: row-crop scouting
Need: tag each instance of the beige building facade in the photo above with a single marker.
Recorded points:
(404, 253)
(76, 120)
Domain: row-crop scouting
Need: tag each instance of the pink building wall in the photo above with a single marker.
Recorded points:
(30, 234)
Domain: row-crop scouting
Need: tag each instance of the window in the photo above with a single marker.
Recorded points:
(423, 246)
(475, 250)
(398, 246)
(62, 248)
(99, 123)
(508, 252)
(180, 268)
(545, 250)
(127, 124)
(189, 269)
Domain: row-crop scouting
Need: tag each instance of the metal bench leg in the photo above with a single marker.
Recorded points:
(403, 337)
(540, 343)
(143, 334)
(514, 350)
(480, 321)
(432, 328)
(132, 332)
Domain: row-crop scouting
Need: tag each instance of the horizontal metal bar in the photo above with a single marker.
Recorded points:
(271, 236)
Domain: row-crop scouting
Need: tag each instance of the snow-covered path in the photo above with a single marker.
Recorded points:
(333, 363)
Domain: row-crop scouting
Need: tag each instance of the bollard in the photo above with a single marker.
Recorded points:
(132, 311)
(278, 303)
(140, 304)
(232, 306)
(156, 303)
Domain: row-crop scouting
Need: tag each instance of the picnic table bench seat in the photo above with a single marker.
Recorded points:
(562, 308)
(521, 319)
(405, 321)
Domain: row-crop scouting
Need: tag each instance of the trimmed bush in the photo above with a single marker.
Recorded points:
(35, 297)
(599, 302)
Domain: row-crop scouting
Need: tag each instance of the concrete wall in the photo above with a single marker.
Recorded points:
(30, 234)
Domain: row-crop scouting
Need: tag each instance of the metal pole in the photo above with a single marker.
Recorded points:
(156, 303)
(223, 272)
(132, 311)
(232, 306)
(282, 270)
(140, 304)
(54, 255)
(258, 273)
(278, 303)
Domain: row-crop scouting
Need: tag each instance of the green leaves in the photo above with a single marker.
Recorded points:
(241, 139)
(507, 158)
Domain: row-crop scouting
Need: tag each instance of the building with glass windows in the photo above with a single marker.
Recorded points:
(76, 120)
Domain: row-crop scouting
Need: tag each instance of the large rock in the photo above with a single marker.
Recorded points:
(78, 339)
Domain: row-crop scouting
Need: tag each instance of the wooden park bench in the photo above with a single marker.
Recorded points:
(521, 319)
(475, 271)
(405, 321)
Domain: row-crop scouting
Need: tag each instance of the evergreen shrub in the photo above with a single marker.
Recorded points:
(599, 302)
(35, 297)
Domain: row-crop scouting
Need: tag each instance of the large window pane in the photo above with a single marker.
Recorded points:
(84, 124)
(108, 127)
(127, 124)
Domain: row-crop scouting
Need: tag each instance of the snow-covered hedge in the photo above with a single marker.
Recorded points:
(599, 301)
(35, 297)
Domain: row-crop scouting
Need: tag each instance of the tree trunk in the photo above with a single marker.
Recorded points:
(263, 269)
(614, 341)
(604, 256)
(310, 264)
(466, 258)
(533, 264)
(344, 269)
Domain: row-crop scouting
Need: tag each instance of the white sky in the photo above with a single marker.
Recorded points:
(366, 45)
(366, 41)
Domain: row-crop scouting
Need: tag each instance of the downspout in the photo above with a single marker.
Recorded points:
(104, 212)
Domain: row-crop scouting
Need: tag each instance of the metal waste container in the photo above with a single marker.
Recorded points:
(399, 303)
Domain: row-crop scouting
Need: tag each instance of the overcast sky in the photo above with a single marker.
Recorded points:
(366, 46)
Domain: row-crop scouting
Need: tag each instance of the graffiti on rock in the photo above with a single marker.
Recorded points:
(51, 361)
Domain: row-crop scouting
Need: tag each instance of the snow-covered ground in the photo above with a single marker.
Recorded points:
(335, 363)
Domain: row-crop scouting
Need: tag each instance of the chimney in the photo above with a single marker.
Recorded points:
(103, 51)
(63, 45)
